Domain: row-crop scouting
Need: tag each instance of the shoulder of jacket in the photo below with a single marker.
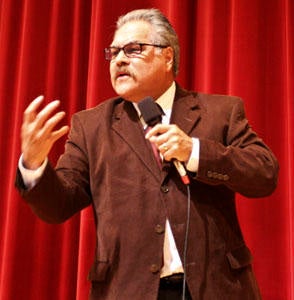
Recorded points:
(204, 97)
(104, 108)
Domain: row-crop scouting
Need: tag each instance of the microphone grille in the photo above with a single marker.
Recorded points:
(150, 110)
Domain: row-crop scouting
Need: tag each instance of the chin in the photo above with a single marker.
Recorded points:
(133, 94)
(128, 95)
(130, 98)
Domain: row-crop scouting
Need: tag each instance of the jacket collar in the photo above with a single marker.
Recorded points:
(186, 110)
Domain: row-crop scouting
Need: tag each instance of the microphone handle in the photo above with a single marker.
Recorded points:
(182, 171)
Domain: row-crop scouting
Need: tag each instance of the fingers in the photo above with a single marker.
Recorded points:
(42, 119)
(170, 149)
(44, 114)
(31, 114)
(31, 110)
(161, 134)
(50, 123)
(157, 130)
(57, 134)
(40, 131)
(171, 142)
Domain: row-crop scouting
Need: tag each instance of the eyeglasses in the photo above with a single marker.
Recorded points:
(130, 50)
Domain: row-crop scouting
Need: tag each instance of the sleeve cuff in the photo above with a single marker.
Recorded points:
(31, 177)
(193, 162)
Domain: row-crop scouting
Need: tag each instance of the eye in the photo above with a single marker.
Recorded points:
(114, 51)
(132, 49)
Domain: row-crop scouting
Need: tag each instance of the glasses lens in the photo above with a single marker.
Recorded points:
(132, 49)
(110, 53)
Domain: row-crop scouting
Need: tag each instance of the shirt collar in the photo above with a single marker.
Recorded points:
(166, 100)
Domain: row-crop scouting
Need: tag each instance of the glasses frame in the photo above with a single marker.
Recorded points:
(110, 56)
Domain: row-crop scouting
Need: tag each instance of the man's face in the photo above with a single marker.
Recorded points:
(146, 74)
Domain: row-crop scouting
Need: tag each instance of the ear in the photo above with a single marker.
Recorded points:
(169, 57)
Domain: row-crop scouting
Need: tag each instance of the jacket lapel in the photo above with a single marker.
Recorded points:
(186, 110)
(127, 125)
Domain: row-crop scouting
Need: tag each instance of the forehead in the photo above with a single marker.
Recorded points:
(132, 31)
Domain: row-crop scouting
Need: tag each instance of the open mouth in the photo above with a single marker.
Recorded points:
(122, 75)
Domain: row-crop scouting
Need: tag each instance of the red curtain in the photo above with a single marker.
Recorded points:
(239, 47)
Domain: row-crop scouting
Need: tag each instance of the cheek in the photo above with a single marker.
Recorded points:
(111, 71)
(151, 74)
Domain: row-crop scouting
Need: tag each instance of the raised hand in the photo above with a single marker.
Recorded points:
(39, 132)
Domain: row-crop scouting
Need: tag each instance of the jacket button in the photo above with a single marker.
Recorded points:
(164, 189)
(220, 176)
(214, 175)
(154, 268)
(159, 229)
(226, 177)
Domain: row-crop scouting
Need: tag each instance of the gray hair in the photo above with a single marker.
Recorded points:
(164, 31)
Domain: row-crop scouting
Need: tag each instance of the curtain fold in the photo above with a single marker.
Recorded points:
(55, 48)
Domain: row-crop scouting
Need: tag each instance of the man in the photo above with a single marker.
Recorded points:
(141, 209)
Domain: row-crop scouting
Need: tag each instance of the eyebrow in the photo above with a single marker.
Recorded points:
(131, 42)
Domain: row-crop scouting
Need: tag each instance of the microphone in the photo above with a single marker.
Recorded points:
(151, 113)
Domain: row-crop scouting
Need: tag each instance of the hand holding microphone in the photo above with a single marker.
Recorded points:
(173, 144)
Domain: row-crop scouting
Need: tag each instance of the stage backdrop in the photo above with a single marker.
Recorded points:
(55, 48)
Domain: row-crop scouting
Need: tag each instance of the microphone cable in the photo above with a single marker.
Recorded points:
(186, 241)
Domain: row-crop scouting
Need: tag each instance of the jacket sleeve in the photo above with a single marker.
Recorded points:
(242, 162)
(63, 191)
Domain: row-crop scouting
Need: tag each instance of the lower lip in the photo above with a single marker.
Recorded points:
(123, 77)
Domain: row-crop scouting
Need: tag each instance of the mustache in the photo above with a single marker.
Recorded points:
(123, 71)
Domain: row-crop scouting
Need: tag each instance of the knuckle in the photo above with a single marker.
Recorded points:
(176, 147)
(174, 128)
(26, 114)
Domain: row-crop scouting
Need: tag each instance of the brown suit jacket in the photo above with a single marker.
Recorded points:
(109, 164)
